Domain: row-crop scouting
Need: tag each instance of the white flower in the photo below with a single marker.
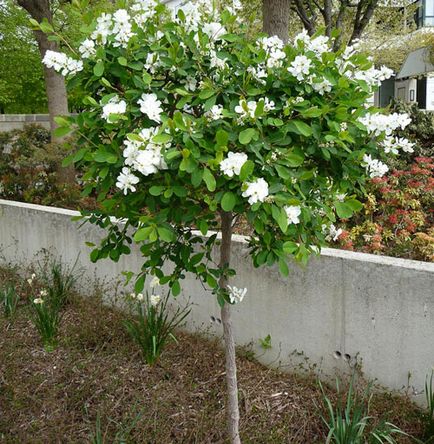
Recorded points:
(236, 294)
(268, 105)
(154, 300)
(377, 123)
(374, 167)
(275, 58)
(233, 163)
(43, 293)
(122, 28)
(259, 73)
(38, 301)
(216, 62)
(60, 62)
(214, 30)
(332, 233)
(405, 144)
(133, 295)
(322, 87)
(103, 28)
(114, 106)
(215, 112)
(151, 106)
(126, 181)
(299, 67)
(155, 282)
(246, 109)
(140, 297)
(293, 214)
(256, 191)
(341, 197)
(87, 48)
(31, 279)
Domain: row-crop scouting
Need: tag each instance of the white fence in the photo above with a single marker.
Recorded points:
(341, 308)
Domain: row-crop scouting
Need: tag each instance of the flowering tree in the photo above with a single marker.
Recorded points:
(191, 124)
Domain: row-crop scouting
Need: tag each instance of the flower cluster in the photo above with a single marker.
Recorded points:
(375, 167)
(236, 295)
(60, 62)
(114, 106)
(233, 163)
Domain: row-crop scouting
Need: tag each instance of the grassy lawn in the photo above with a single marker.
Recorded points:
(96, 374)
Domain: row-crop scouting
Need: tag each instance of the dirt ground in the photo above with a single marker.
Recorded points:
(97, 374)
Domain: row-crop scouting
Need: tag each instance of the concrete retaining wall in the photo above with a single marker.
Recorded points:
(343, 307)
(10, 122)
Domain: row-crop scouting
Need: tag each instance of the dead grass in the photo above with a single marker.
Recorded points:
(97, 371)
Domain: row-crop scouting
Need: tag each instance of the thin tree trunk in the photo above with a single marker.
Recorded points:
(275, 18)
(54, 82)
(232, 409)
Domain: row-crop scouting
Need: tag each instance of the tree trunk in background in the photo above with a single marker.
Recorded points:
(275, 18)
(232, 409)
(54, 83)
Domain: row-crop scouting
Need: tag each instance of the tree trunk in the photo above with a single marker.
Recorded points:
(232, 409)
(275, 18)
(54, 83)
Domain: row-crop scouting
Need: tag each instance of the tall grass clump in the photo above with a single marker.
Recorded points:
(349, 422)
(153, 324)
(9, 300)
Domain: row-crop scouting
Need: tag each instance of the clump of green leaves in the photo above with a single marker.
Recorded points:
(58, 280)
(46, 316)
(154, 324)
(9, 300)
(429, 417)
(349, 422)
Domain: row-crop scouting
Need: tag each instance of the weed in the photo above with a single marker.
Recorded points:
(58, 280)
(9, 301)
(429, 417)
(350, 423)
(46, 317)
(154, 325)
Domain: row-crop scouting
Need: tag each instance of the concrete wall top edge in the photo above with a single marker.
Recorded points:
(326, 252)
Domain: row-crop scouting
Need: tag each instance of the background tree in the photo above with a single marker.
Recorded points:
(42, 10)
(22, 87)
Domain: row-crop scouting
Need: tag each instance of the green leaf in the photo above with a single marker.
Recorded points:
(45, 26)
(289, 247)
(61, 131)
(203, 227)
(105, 156)
(142, 234)
(209, 179)
(246, 170)
(299, 127)
(247, 135)
(206, 93)
(156, 190)
(354, 204)
(162, 138)
(98, 69)
(122, 61)
(343, 210)
(228, 201)
(61, 121)
(222, 137)
(176, 288)
(283, 267)
(140, 284)
(166, 234)
(279, 215)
